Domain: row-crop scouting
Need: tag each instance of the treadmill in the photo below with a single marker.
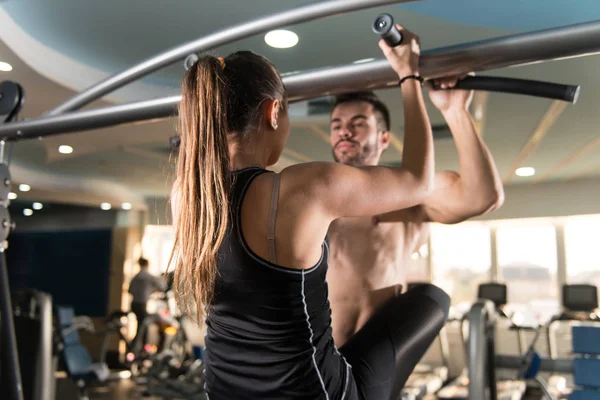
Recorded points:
(479, 381)
(580, 308)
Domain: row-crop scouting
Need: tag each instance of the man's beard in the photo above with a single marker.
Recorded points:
(357, 160)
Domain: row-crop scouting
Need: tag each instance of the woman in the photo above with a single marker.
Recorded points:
(251, 243)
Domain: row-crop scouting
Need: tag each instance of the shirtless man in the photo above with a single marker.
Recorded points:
(368, 255)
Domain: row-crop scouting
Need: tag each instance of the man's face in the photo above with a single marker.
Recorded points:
(356, 136)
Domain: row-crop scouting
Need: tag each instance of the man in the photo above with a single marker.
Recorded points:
(141, 288)
(369, 255)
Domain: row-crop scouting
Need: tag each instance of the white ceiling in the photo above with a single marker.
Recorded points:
(64, 46)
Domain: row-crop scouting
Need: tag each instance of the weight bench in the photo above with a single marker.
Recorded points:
(78, 362)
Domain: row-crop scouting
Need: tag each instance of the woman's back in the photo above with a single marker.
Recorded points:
(268, 330)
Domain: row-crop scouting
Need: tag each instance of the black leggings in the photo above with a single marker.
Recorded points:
(384, 352)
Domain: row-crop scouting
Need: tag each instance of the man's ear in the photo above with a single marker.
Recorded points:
(386, 136)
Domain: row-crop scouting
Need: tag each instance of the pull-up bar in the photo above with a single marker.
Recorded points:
(551, 44)
(317, 10)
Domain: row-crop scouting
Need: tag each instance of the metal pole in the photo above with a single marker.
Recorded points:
(550, 44)
(477, 360)
(317, 10)
(559, 43)
(95, 118)
(10, 356)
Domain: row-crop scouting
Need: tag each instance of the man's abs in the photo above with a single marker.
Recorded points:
(366, 268)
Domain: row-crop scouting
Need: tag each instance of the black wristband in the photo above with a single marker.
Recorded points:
(415, 77)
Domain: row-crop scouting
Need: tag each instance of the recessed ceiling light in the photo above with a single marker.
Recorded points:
(281, 39)
(364, 60)
(5, 67)
(525, 171)
(37, 206)
(24, 188)
(64, 149)
(126, 206)
(12, 196)
(28, 212)
(105, 206)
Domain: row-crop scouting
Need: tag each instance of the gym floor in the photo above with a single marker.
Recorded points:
(122, 389)
(126, 389)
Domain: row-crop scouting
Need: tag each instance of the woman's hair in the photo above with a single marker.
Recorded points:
(221, 102)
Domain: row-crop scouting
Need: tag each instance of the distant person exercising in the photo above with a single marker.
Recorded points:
(141, 288)
(250, 249)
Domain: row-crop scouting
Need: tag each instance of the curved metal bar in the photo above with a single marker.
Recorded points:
(508, 51)
(347, 78)
(317, 10)
(103, 117)
(96, 118)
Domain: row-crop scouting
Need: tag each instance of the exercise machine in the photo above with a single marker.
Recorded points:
(76, 358)
(37, 347)
(170, 378)
(479, 380)
(579, 309)
(580, 304)
(12, 97)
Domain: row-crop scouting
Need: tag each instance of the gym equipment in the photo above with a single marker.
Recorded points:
(580, 303)
(138, 355)
(586, 367)
(480, 382)
(170, 378)
(76, 357)
(545, 45)
(11, 101)
(36, 346)
(530, 366)
(385, 27)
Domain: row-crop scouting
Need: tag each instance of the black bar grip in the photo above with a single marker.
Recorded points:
(384, 26)
(569, 93)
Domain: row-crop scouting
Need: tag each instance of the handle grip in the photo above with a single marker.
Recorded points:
(384, 26)
(548, 90)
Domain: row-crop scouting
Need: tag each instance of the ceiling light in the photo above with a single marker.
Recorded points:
(28, 212)
(12, 196)
(5, 67)
(525, 171)
(24, 188)
(64, 149)
(364, 60)
(281, 39)
(126, 206)
(105, 206)
(38, 206)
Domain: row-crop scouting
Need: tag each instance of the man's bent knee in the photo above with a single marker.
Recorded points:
(435, 293)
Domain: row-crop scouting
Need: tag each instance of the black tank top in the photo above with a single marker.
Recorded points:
(269, 328)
